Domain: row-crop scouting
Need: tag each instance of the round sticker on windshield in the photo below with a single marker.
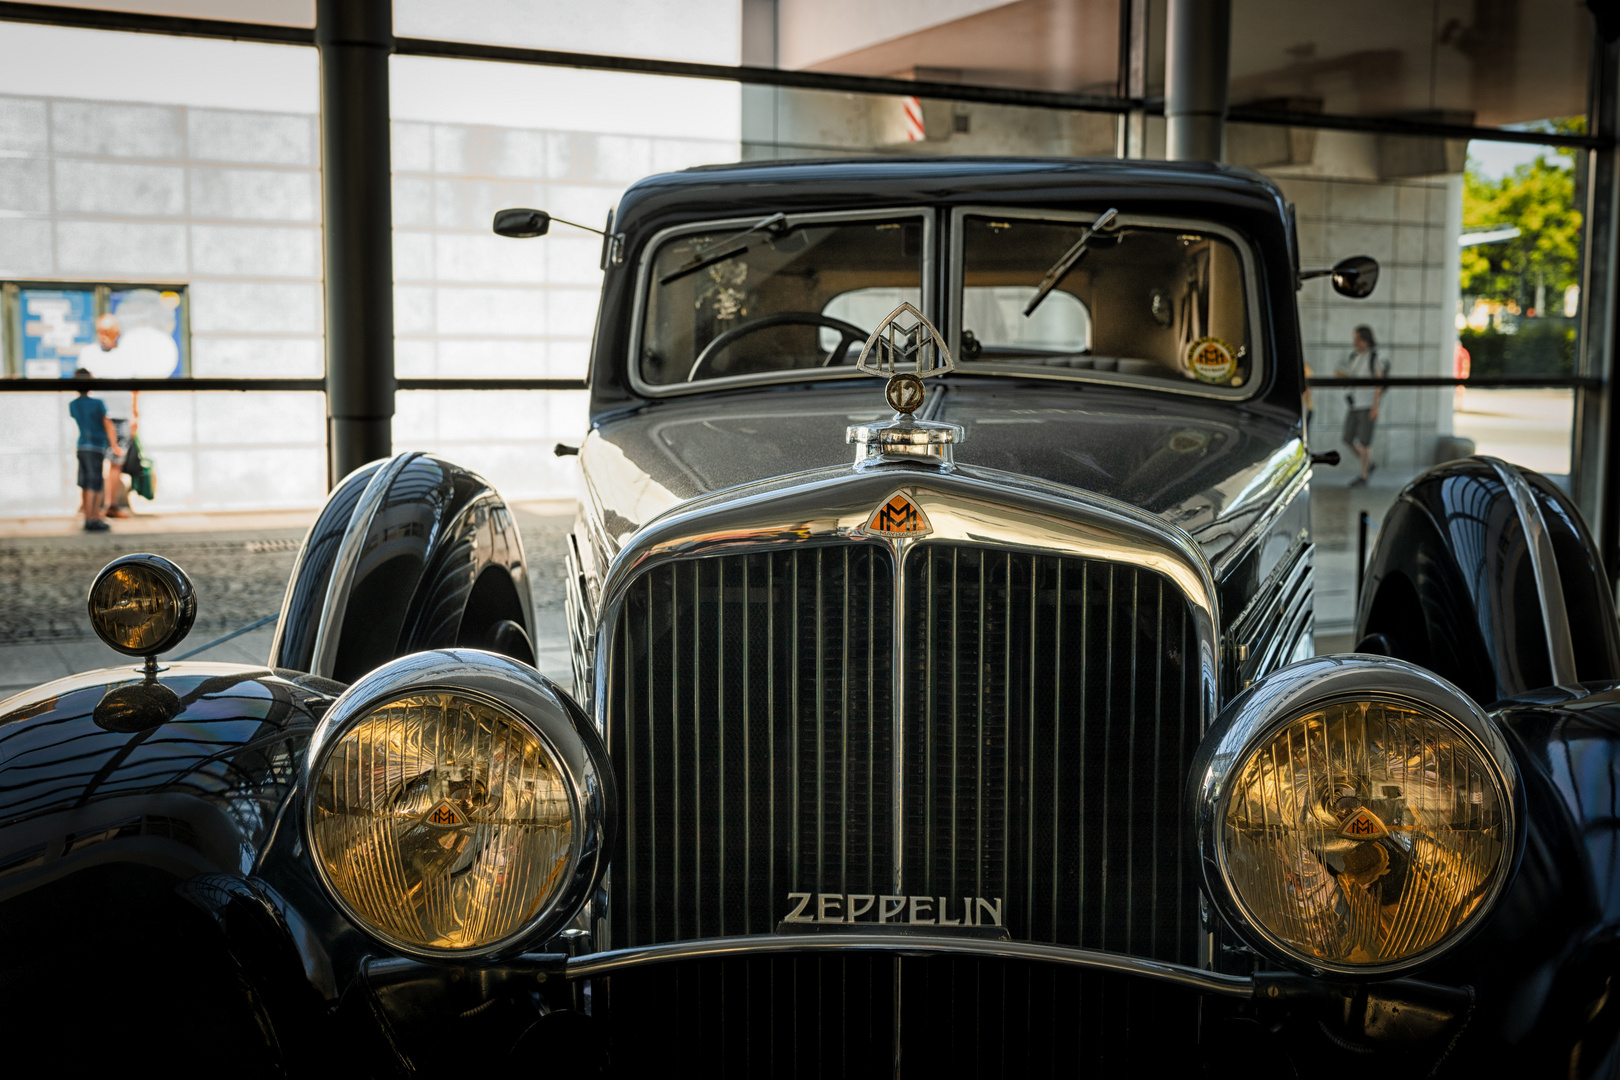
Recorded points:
(1211, 360)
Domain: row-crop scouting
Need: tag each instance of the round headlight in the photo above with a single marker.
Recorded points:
(1357, 814)
(454, 807)
(142, 605)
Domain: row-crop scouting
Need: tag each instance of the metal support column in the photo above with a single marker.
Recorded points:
(355, 38)
(1133, 64)
(1592, 457)
(1198, 48)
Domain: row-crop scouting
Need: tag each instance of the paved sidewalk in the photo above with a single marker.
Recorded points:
(239, 564)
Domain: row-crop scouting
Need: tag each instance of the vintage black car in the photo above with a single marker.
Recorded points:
(964, 720)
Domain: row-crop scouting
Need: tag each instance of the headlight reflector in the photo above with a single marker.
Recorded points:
(445, 823)
(1360, 832)
(456, 804)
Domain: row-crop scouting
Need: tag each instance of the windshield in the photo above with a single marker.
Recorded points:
(1139, 301)
(775, 296)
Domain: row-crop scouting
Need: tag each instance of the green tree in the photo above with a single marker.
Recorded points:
(1539, 199)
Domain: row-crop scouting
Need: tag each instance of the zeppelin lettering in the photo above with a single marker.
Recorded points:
(895, 910)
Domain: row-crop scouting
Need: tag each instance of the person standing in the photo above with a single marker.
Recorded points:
(96, 436)
(121, 409)
(1362, 363)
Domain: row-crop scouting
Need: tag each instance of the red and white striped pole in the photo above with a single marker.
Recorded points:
(915, 131)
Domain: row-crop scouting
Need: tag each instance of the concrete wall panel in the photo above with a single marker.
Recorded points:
(235, 307)
(25, 184)
(121, 249)
(122, 188)
(256, 251)
(24, 125)
(254, 194)
(104, 129)
(414, 309)
(259, 138)
(25, 248)
(249, 357)
(475, 257)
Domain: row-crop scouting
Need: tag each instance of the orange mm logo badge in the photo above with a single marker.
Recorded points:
(898, 517)
(1363, 825)
(446, 816)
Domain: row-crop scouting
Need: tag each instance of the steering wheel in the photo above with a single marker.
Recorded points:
(847, 333)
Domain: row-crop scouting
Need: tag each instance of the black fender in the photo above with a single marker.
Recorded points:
(1485, 574)
(1545, 963)
(126, 858)
(408, 554)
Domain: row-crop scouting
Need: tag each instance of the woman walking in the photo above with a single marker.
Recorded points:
(1362, 363)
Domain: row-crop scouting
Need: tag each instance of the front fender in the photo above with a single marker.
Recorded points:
(1485, 574)
(1546, 960)
(116, 845)
(408, 554)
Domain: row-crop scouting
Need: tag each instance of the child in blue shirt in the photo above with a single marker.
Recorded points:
(96, 434)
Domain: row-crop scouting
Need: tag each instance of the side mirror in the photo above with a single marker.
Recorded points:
(1356, 276)
(521, 223)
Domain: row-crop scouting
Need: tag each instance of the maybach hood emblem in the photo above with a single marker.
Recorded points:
(905, 349)
(899, 516)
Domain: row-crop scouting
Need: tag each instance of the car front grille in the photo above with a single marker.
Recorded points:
(1049, 709)
(750, 719)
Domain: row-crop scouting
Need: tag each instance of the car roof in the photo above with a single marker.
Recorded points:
(914, 179)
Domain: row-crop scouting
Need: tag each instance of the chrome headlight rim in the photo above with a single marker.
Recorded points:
(526, 697)
(1280, 699)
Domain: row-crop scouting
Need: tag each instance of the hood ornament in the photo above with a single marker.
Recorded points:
(905, 349)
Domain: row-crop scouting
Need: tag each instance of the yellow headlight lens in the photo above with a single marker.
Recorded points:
(134, 609)
(1364, 833)
(442, 822)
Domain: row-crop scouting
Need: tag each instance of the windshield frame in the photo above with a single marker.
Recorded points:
(956, 268)
(644, 273)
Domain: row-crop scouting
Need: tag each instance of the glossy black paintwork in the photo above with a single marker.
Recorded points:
(306, 592)
(1545, 962)
(1169, 455)
(156, 880)
(106, 835)
(442, 566)
(1450, 585)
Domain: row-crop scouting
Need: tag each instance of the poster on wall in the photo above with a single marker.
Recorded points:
(56, 325)
(114, 331)
(146, 323)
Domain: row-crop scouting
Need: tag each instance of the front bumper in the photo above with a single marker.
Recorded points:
(696, 988)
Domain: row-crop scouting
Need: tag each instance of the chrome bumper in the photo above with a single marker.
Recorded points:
(906, 944)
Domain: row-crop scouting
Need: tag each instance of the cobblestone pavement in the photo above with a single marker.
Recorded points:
(240, 578)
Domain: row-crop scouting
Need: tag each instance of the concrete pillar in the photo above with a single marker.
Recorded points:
(1198, 46)
(354, 38)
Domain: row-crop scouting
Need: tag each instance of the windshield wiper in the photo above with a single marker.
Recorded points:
(1061, 268)
(706, 257)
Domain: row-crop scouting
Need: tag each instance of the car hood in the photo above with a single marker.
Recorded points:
(1211, 468)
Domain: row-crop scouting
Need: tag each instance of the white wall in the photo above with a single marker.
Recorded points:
(213, 181)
